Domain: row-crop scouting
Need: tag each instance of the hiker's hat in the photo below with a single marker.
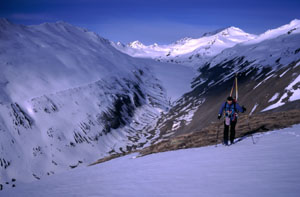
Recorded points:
(229, 98)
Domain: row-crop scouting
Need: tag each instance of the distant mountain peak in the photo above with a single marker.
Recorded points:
(183, 40)
(60, 22)
(232, 31)
(225, 31)
(136, 44)
(196, 51)
(234, 28)
(213, 32)
(120, 43)
(57, 23)
(295, 21)
(4, 21)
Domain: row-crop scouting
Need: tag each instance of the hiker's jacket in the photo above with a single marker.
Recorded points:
(230, 110)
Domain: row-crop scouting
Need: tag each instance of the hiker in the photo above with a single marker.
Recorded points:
(231, 108)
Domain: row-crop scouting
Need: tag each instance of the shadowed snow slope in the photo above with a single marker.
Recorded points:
(268, 168)
(68, 98)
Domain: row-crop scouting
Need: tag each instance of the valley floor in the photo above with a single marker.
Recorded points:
(268, 168)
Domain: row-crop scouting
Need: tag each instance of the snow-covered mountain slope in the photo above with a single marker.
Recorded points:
(268, 78)
(188, 51)
(68, 98)
(195, 52)
(273, 33)
(267, 48)
(268, 168)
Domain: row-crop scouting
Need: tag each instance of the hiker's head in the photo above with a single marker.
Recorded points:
(229, 100)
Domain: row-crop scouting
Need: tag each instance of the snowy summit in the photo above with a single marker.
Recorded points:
(186, 49)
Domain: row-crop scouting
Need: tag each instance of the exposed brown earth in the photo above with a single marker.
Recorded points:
(249, 96)
(246, 126)
(113, 156)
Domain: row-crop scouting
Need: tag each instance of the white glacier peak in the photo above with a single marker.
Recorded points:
(195, 52)
(184, 50)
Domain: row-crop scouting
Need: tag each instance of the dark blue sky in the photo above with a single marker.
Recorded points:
(161, 21)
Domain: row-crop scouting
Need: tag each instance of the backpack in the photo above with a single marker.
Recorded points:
(234, 104)
(234, 108)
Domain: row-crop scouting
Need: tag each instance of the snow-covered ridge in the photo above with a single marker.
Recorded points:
(137, 45)
(273, 48)
(208, 45)
(195, 52)
(68, 98)
(52, 57)
(291, 28)
(4, 21)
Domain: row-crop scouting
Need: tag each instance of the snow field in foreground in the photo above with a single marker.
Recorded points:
(268, 168)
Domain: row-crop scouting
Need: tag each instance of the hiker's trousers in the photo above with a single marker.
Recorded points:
(232, 131)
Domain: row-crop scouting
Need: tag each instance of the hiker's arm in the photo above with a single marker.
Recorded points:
(221, 109)
(239, 108)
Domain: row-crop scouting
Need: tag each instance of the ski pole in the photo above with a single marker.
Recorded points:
(250, 129)
(218, 133)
